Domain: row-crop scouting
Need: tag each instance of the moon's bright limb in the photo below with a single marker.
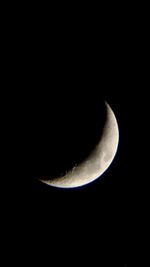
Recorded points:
(97, 162)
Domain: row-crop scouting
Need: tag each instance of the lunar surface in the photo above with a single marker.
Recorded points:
(97, 162)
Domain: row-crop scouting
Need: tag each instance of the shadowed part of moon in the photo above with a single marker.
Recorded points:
(66, 137)
(97, 162)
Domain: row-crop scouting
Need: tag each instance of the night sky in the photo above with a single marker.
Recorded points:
(58, 116)
(100, 210)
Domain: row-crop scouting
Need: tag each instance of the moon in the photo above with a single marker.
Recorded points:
(97, 162)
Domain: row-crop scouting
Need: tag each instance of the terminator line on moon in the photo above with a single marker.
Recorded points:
(97, 162)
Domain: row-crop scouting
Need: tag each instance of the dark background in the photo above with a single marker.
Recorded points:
(58, 108)
(99, 211)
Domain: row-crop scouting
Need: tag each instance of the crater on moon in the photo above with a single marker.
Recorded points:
(108, 156)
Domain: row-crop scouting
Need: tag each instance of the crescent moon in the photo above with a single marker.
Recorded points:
(97, 162)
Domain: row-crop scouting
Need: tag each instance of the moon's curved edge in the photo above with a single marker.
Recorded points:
(67, 180)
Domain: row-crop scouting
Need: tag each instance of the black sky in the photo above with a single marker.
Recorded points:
(98, 210)
(57, 118)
